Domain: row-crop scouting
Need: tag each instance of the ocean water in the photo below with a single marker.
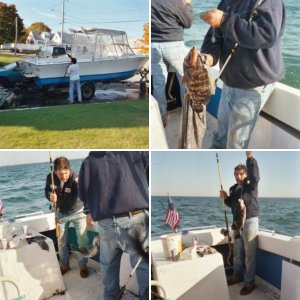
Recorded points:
(22, 187)
(279, 214)
(290, 43)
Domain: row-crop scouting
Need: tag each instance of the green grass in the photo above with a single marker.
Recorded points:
(7, 59)
(116, 125)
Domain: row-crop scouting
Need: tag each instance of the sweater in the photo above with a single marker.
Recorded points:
(168, 20)
(114, 182)
(258, 60)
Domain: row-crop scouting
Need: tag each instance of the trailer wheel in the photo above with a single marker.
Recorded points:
(88, 91)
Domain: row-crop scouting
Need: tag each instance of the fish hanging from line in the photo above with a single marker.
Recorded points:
(239, 218)
(196, 78)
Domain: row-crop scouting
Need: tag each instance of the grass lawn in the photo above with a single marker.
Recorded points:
(116, 125)
(7, 59)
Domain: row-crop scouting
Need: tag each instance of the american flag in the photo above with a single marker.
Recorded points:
(1, 207)
(172, 216)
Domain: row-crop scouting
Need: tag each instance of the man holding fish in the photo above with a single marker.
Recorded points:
(242, 200)
(245, 38)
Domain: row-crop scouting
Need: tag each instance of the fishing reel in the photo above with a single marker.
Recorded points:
(224, 231)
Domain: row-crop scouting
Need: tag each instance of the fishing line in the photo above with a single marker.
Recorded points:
(225, 213)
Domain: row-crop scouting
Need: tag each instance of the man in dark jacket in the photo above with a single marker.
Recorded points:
(63, 193)
(169, 18)
(244, 249)
(114, 188)
(256, 26)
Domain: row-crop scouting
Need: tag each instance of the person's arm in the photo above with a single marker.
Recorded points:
(225, 198)
(259, 33)
(81, 192)
(253, 170)
(184, 14)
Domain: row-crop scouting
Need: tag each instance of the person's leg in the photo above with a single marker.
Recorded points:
(63, 247)
(134, 236)
(110, 258)
(249, 235)
(78, 91)
(238, 258)
(80, 228)
(174, 53)
(159, 77)
(71, 91)
(220, 137)
(245, 107)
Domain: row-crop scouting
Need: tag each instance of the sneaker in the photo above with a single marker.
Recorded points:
(247, 289)
(234, 280)
(64, 269)
(84, 271)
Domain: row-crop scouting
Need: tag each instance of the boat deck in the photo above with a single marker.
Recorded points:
(262, 291)
(91, 288)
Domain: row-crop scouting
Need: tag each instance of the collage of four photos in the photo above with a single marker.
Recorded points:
(149, 149)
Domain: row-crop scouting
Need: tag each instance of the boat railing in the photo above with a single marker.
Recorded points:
(187, 230)
(37, 213)
(267, 230)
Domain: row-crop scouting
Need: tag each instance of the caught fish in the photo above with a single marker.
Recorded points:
(239, 218)
(197, 80)
(90, 252)
(40, 240)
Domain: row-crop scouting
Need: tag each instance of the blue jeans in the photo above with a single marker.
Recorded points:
(71, 90)
(164, 56)
(237, 115)
(63, 247)
(244, 251)
(115, 237)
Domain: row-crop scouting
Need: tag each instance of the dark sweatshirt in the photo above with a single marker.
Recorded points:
(248, 193)
(258, 59)
(67, 196)
(168, 20)
(114, 182)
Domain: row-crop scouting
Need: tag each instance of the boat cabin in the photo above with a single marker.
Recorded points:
(51, 51)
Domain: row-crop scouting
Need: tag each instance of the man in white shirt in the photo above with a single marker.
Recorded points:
(73, 71)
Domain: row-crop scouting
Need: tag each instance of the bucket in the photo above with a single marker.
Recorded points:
(171, 242)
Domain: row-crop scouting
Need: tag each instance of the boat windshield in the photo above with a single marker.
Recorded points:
(51, 51)
(101, 43)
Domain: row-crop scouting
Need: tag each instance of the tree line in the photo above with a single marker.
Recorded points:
(8, 15)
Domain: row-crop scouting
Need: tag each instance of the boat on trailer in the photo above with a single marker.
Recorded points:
(29, 272)
(277, 127)
(103, 56)
(189, 277)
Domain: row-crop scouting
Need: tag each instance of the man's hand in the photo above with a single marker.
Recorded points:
(207, 58)
(249, 154)
(213, 17)
(53, 197)
(89, 221)
(186, 2)
(223, 195)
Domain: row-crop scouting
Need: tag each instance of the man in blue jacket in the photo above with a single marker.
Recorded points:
(256, 26)
(244, 248)
(114, 188)
(169, 18)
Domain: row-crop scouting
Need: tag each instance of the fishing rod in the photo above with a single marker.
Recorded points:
(122, 290)
(225, 213)
(53, 191)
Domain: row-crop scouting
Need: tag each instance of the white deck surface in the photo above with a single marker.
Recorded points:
(89, 288)
(262, 291)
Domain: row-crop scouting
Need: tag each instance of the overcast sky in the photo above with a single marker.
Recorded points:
(126, 15)
(195, 173)
(19, 157)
